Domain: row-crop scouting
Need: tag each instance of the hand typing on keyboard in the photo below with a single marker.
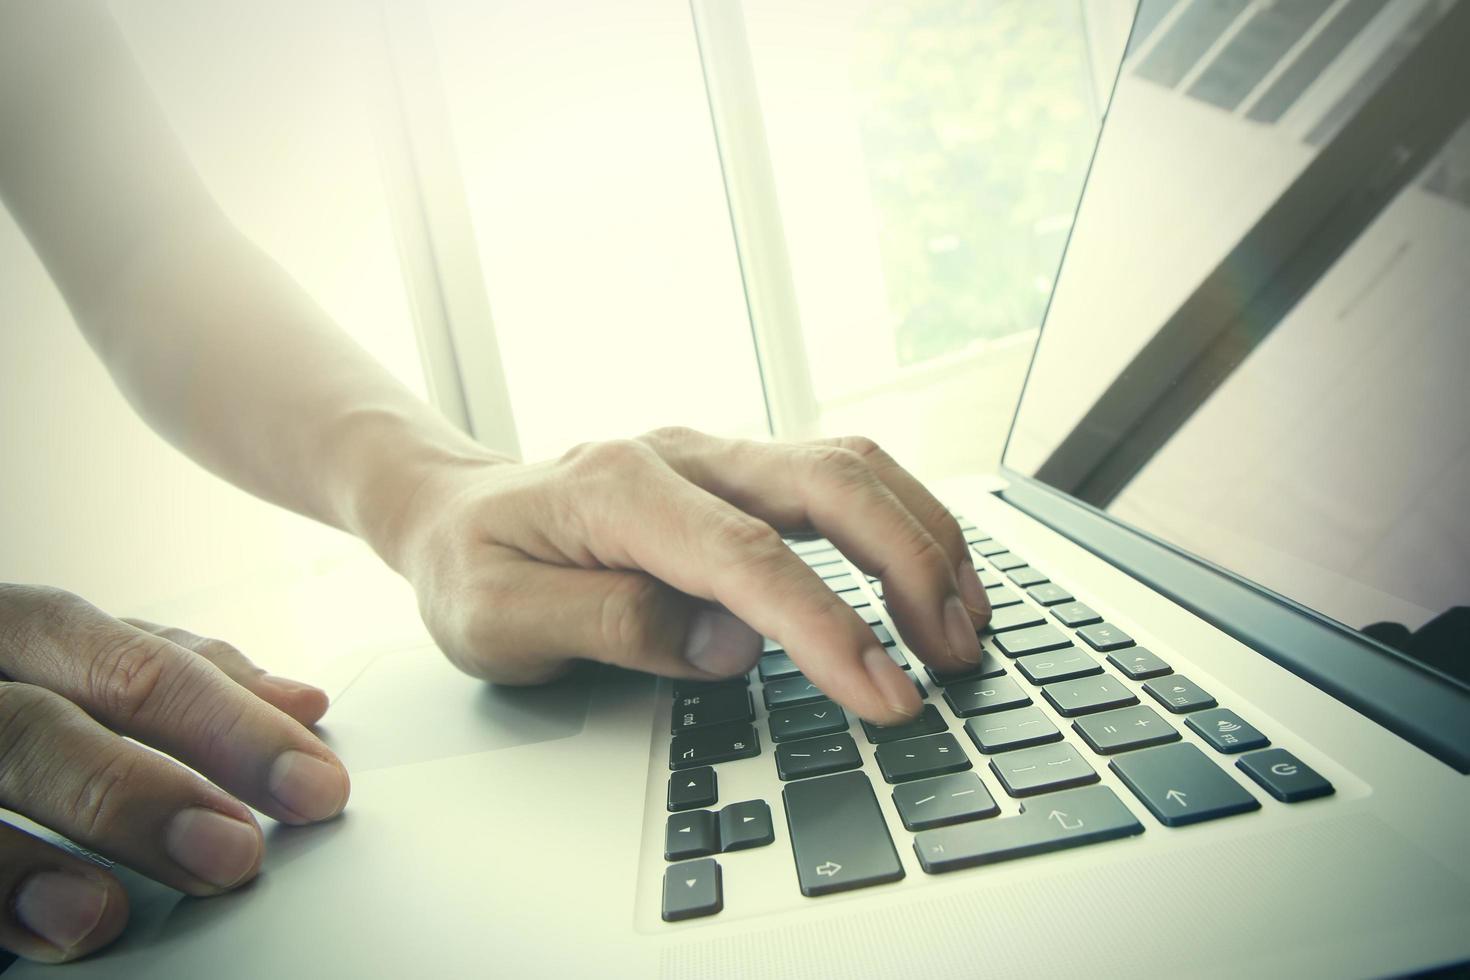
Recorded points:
(664, 554)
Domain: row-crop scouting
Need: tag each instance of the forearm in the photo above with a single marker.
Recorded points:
(228, 357)
(219, 349)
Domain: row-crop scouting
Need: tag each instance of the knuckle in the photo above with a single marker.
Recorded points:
(841, 464)
(98, 808)
(616, 456)
(863, 446)
(749, 538)
(629, 615)
(127, 675)
(667, 437)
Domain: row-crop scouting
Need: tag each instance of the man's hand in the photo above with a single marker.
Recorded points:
(73, 682)
(664, 554)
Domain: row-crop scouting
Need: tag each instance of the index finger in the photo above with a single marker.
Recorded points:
(705, 547)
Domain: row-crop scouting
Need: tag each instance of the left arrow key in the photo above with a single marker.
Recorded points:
(694, 833)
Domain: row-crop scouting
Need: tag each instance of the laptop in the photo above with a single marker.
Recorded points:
(1222, 724)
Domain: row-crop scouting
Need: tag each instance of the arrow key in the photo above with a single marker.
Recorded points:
(1180, 785)
(693, 833)
(692, 889)
(745, 825)
(692, 788)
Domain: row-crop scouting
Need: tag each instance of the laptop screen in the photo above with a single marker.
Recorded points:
(1258, 349)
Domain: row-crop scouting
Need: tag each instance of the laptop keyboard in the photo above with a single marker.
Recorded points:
(1120, 706)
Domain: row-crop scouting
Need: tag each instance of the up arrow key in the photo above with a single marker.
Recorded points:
(1177, 797)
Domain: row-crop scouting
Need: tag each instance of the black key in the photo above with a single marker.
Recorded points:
(1125, 729)
(988, 579)
(1139, 663)
(838, 835)
(791, 691)
(1035, 639)
(929, 722)
(1026, 576)
(1105, 636)
(843, 583)
(1063, 665)
(1179, 694)
(1042, 770)
(989, 666)
(983, 696)
(689, 689)
(943, 800)
(817, 756)
(915, 758)
(1075, 614)
(718, 743)
(1000, 597)
(1013, 618)
(807, 721)
(694, 833)
(1180, 785)
(692, 788)
(1226, 731)
(1086, 695)
(777, 666)
(919, 686)
(744, 825)
(1051, 823)
(1004, 561)
(990, 548)
(692, 889)
(1019, 728)
(1049, 594)
(715, 708)
(1284, 776)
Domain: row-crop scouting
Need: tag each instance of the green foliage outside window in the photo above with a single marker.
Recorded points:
(978, 123)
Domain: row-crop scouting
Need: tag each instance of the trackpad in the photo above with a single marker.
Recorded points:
(413, 706)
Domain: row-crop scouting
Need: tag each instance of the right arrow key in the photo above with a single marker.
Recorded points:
(1180, 785)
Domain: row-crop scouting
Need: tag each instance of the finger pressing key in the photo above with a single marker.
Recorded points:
(705, 547)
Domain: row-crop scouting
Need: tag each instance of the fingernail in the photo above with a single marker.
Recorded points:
(970, 588)
(61, 908)
(963, 643)
(897, 690)
(719, 643)
(211, 846)
(307, 786)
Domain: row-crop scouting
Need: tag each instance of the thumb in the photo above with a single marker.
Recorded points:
(555, 614)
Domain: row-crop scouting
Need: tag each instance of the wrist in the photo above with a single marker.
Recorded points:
(398, 481)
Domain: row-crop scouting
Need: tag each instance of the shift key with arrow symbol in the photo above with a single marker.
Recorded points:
(1052, 822)
(1181, 785)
